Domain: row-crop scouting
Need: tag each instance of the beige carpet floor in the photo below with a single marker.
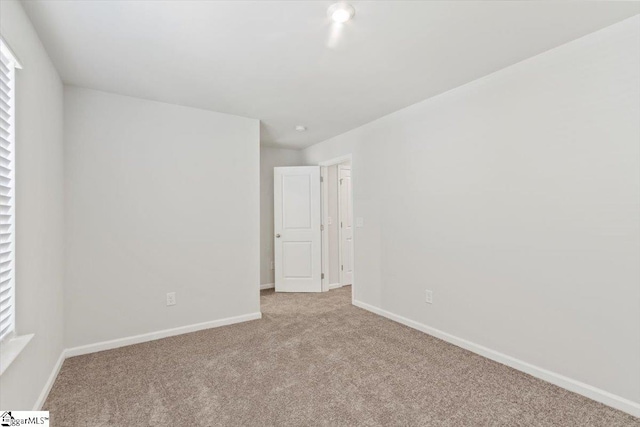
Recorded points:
(314, 359)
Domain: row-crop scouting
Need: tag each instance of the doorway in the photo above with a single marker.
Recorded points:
(338, 224)
(337, 220)
(345, 228)
(299, 266)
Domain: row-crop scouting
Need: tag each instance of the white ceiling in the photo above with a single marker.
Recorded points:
(278, 62)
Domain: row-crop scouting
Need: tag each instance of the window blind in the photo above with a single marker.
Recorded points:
(7, 193)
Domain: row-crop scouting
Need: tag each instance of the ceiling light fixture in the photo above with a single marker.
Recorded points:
(301, 128)
(341, 12)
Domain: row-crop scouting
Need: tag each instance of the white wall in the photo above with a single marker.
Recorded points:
(39, 212)
(269, 159)
(159, 198)
(516, 200)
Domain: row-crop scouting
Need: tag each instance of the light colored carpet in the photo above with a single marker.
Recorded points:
(314, 359)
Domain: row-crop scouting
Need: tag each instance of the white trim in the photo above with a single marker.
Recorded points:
(325, 242)
(342, 167)
(137, 339)
(336, 160)
(49, 384)
(11, 54)
(335, 285)
(267, 286)
(10, 348)
(324, 195)
(575, 386)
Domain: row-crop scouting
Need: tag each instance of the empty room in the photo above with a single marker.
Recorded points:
(319, 213)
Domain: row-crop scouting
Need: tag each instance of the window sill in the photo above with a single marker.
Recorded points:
(10, 349)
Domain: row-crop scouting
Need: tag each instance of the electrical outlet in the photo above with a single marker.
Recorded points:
(429, 297)
(171, 298)
(329, 220)
(359, 222)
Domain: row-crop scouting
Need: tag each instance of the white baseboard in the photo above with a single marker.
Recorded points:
(586, 390)
(47, 386)
(335, 285)
(136, 339)
(267, 286)
(108, 345)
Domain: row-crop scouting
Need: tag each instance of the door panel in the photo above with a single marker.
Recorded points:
(297, 259)
(297, 241)
(296, 201)
(346, 226)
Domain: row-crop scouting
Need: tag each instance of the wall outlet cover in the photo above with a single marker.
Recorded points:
(171, 298)
(429, 297)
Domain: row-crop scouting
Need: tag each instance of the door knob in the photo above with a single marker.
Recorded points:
(277, 236)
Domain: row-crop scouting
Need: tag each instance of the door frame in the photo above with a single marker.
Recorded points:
(340, 249)
(324, 185)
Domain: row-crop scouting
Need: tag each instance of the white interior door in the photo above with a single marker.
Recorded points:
(346, 226)
(298, 245)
